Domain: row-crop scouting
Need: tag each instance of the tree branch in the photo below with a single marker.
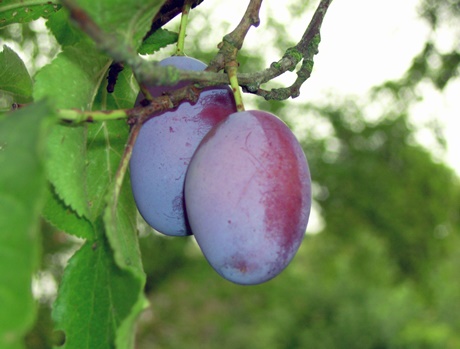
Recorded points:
(305, 50)
(233, 41)
(136, 115)
(152, 74)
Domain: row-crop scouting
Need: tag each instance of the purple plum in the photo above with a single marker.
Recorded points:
(164, 147)
(248, 196)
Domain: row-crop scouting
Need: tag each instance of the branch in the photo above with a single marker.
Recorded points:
(233, 41)
(305, 50)
(150, 73)
(136, 115)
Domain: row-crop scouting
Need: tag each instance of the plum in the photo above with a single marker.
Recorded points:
(164, 147)
(248, 196)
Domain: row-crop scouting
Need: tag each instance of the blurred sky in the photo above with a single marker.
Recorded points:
(364, 43)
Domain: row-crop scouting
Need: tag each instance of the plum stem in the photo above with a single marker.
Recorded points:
(183, 28)
(232, 68)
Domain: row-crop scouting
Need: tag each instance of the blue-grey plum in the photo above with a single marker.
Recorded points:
(164, 147)
(248, 196)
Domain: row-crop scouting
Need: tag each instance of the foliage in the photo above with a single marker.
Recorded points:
(380, 274)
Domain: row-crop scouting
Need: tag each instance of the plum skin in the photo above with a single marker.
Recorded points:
(248, 196)
(164, 147)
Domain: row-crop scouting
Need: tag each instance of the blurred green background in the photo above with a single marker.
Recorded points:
(379, 267)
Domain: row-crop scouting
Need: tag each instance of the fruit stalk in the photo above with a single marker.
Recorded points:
(232, 69)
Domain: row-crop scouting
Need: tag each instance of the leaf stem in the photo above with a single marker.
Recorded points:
(183, 28)
(77, 116)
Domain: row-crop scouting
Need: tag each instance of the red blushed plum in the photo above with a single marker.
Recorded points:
(248, 196)
(164, 147)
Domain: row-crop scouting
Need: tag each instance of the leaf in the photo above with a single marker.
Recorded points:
(64, 218)
(120, 211)
(160, 38)
(94, 298)
(24, 11)
(71, 80)
(65, 33)
(15, 82)
(105, 144)
(22, 183)
(124, 95)
(120, 223)
(129, 21)
(66, 166)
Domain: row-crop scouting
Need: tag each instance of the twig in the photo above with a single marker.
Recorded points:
(233, 41)
(305, 50)
(136, 115)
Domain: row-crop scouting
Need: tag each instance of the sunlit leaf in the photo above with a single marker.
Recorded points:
(15, 82)
(71, 80)
(160, 38)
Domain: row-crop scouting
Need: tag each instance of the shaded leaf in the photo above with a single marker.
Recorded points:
(124, 95)
(129, 21)
(15, 82)
(63, 30)
(14, 11)
(64, 218)
(120, 223)
(22, 184)
(159, 39)
(94, 298)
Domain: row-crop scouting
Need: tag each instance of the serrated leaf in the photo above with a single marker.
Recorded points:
(64, 218)
(63, 30)
(105, 144)
(120, 223)
(14, 11)
(129, 21)
(15, 82)
(22, 183)
(71, 80)
(157, 40)
(94, 299)
(66, 166)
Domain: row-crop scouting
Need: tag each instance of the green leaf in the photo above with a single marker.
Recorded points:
(14, 11)
(105, 145)
(63, 30)
(64, 218)
(71, 80)
(124, 95)
(120, 223)
(94, 299)
(22, 184)
(15, 82)
(129, 21)
(66, 166)
(160, 38)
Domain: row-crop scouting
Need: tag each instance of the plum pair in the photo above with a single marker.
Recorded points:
(238, 180)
